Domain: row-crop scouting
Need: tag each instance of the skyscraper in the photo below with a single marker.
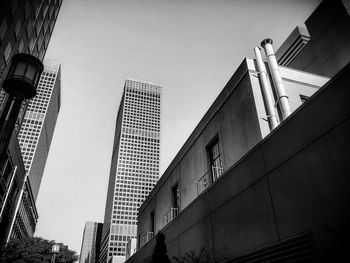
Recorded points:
(35, 135)
(134, 166)
(90, 245)
(39, 122)
(26, 26)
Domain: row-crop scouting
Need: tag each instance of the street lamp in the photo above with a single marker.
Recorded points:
(20, 84)
(55, 250)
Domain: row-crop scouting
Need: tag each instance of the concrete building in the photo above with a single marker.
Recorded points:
(216, 193)
(91, 243)
(322, 44)
(25, 26)
(134, 166)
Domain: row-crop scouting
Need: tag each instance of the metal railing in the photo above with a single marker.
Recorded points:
(216, 172)
(147, 237)
(203, 183)
(170, 215)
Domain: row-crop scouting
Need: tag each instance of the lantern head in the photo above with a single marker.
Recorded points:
(23, 75)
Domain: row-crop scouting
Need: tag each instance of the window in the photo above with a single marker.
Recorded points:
(29, 27)
(18, 28)
(6, 171)
(152, 222)
(7, 52)
(14, 5)
(26, 9)
(303, 98)
(215, 159)
(175, 196)
(3, 28)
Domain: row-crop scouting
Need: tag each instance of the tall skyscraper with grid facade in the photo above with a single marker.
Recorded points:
(34, 136)
(134, 166)
(39, 122)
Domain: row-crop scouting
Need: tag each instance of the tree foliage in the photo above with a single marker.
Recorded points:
(160, 253)
(204, 256)
(35, 250)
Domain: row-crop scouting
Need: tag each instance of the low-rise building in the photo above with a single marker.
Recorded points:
(215, 193)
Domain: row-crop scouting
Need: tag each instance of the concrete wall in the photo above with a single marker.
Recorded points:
(236, 119)
(328, 50)
(294, 181)
(229, 121)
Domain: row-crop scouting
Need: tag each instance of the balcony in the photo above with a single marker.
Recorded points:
(147, 237)
(216, 171)
(203, 183)
(170, 215)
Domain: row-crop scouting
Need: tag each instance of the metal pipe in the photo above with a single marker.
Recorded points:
(17, 208)
(276, 77)
(262, 73)
(8, 192)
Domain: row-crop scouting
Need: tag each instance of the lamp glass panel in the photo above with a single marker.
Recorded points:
(55, 248)
(31, 72)
(20, 68)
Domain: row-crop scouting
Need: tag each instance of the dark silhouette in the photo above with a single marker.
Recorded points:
(160, 254)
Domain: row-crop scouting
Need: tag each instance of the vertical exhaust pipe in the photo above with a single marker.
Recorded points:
(276, 77)
(262, 73)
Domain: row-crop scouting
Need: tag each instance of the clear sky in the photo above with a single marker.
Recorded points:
(190, 47)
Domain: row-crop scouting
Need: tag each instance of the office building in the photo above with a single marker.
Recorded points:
(12, 175)
(90, 245)
(25, 26)
(38, 125)
(134, 166)
(35, 136)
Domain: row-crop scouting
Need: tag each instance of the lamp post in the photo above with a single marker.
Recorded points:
(55, 250)
(20, 84)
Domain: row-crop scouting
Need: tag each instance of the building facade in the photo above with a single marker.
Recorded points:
(134, 166)
(322, 45)
(90, 245)
(26, 26)
(200, 200)
(38, 124)
(12, 174)
(35, 136)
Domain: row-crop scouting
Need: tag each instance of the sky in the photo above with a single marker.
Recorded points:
(190, 47)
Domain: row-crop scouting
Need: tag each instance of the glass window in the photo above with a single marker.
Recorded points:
(3, 28)
(7, 171)
(18, 28)
(21, 46)
(175, 196)
(14, 5)
(7, 52)
(215, 158)
(29, 27)
(26, 9)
